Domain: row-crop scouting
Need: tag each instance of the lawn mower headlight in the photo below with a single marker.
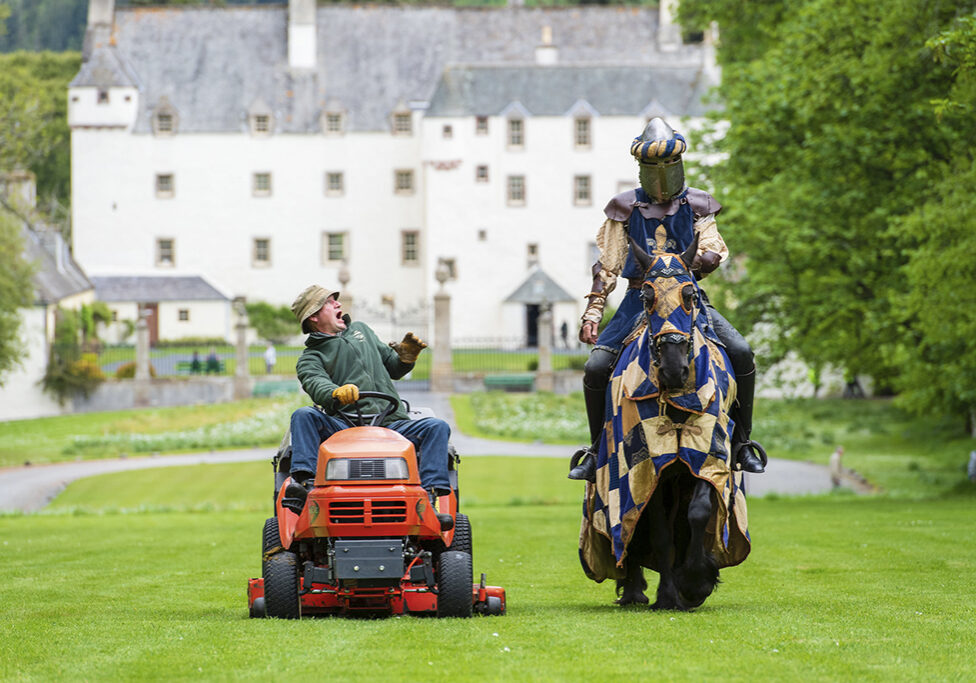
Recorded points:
(367, 468)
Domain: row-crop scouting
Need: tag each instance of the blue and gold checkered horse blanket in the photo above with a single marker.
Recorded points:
(640, 441)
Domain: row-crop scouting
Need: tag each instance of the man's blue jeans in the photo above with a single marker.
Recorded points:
(429, 436)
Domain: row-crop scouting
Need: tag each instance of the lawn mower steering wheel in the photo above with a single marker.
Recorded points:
(358, 419)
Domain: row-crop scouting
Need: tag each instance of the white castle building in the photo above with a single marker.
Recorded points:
(263, 148)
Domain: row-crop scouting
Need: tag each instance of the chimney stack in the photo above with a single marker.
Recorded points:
(301, 34)
(546, 54)
(100, 13)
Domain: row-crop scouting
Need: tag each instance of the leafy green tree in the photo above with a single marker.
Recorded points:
(832, 141)
(34, 130)
(274, 323)
(940, 367)
(70, 371)
(16, 291)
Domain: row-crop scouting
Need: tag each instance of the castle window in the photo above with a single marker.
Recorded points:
(333, 247)
(448, 131)
(532, 254)
(403, 181)
(582, 136)
(582, 196)
(516, 190)
(334, 123)
(165, 186)
(261, 256)
(164, 123)
(516, 133)
(261, 185)
(481, 174)
(335, 184)
(102, 96)
(184, 315)
(165, 252)
(410, 247)
(402, 123)
(481, 125)
(262, 123)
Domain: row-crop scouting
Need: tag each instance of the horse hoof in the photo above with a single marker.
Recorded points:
(632, 599)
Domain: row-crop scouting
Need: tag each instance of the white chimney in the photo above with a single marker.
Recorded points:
(546, 54)
(100, 13)
(301, 34)
(668, 32)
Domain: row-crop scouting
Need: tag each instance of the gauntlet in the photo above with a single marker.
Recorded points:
(409, 348)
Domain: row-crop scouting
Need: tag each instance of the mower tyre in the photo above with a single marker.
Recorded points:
(281, 585)
(453, 584)
(462, 535)
(271, 539)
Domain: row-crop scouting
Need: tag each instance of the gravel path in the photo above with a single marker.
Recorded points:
(28, 489)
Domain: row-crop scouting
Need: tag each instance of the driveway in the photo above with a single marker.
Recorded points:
(28, 489)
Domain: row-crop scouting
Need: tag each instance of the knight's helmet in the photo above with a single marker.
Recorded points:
(658, 152)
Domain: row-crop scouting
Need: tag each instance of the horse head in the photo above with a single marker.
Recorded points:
(670, 298)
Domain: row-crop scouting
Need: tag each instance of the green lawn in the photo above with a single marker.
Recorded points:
(142, 575)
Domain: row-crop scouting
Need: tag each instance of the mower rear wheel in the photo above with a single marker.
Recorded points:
(281, 585)
(462, 536)
(454, 598)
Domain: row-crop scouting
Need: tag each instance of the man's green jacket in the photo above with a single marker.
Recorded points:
(354, 356)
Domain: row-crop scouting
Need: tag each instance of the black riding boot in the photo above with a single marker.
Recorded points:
(747, 455)
(583, 463)
(297, 491)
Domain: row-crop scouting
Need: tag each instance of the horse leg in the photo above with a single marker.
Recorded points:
(663, 551)
(630, 590)
(697, 576)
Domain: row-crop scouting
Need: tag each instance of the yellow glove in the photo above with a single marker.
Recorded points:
(346, 394)
(409, 348)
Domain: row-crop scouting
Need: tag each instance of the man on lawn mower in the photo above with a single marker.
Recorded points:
(342, 358)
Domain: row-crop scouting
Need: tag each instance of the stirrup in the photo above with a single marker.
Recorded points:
(758, 450)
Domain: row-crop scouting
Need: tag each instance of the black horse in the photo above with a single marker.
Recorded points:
(665, 497)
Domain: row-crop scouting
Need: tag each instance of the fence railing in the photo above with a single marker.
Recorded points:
(469, 356)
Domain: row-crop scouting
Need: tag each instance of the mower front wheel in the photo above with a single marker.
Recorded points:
(281, 586)
(453, 584)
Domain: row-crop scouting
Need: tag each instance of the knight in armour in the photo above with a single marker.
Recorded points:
(663, 214)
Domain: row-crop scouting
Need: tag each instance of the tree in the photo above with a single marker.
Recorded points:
(832, 142)
(34, 130)
(940, 369)
(274, 323)
(16, 291)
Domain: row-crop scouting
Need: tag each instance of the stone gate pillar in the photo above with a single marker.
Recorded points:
(140, 386)
(442, 370)
(544, 378)
(242, 373)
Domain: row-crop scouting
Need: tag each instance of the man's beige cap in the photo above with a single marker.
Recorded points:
(310, 301)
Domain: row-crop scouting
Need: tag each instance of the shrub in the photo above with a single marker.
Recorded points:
(128, 371)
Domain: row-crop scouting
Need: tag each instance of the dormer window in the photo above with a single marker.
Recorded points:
(260, 118)
(164, 123)
(516, 133)
(333, 123)
(582, 135)
(402, 123)
(164, 118)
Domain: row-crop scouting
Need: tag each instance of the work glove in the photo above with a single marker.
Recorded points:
(705, 263)
(409, 348)
(346, 394)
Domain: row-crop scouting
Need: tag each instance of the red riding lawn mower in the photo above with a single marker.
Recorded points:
(367, 542)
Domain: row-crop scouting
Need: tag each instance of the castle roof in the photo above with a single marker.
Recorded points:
(213, 65)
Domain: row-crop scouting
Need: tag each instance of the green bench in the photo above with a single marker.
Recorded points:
(524, 381)
(183, 367)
